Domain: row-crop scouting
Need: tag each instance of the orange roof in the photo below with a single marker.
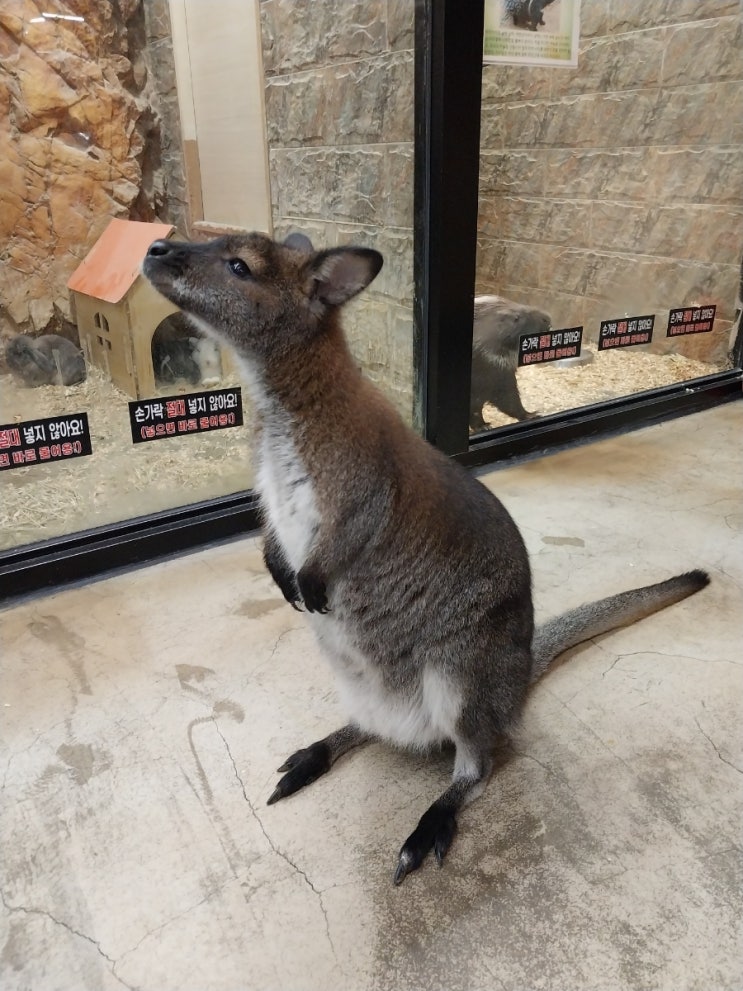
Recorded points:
(112, 265)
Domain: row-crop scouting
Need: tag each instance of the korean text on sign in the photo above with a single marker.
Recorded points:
(690, 320)
(625, 332)
(175, 416)
(39, 441)
(552, 346)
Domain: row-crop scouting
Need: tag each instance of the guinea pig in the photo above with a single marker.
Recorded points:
(46, 360)
(206, 356)
(172, 352)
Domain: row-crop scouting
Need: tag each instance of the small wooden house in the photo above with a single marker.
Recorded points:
(116, 309)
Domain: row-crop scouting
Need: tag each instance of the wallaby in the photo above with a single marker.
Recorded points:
(414, 576)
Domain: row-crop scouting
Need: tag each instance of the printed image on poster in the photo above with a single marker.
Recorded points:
(36, 442)
(178, 416)
(532, 32)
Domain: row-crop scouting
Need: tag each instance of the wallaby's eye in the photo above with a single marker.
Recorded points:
(238, 267)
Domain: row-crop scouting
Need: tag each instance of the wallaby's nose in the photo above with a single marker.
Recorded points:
(159, 248)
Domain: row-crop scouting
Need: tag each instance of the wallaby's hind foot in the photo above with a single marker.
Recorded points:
(435, 831)
(437, 826)
(310, 763)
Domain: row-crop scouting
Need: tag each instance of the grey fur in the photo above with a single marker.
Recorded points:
(527, 13)
(45, 360)
(415, 577)
(498, 325)
(594, 619)
(173, 351)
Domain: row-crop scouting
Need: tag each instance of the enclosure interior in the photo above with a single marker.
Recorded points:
(609, 202)
(608, 193)
(116, 113)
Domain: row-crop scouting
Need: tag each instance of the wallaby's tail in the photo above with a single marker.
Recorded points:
(595, 618)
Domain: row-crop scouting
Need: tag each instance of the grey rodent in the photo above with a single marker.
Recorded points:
(173, 352)
(46, 360)
(413, 575)
(498, 324)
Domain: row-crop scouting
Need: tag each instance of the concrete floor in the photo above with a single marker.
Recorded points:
(144, 716)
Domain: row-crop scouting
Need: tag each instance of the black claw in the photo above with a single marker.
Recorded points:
(444, 840)
(282, 574)
(302, 768)
(402, 870)
(291, 762)
(435, 831)
(313, 590)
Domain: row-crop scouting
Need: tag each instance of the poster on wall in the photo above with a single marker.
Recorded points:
(532, 32)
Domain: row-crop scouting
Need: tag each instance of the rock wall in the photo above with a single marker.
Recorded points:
(618, 187)
(88, 131)
(339, 109)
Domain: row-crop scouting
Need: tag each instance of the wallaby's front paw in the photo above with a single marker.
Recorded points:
(313, 590)
(435, 831)
(282, 574)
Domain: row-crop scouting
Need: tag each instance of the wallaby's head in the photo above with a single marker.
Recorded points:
(262, 297)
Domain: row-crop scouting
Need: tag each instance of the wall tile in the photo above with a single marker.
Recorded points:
(519, 173)
(682, 231)
(704, 51)
(545, 221)
(515, 82)
(633, 15)
(612, 63)
(362, 102)
(695, 175)
(575, 172)
(367, 185)
(400, 24)
(297, 35)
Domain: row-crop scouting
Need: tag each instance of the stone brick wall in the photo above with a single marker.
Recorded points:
(618, 187)
(88, 131)
(339, 110)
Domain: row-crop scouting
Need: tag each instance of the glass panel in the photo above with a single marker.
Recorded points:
(116, 132)
(610, 200)
(91, 165)
(339, 110)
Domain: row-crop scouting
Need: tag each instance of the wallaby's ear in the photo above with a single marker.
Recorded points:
(300, 242)
(339, 274)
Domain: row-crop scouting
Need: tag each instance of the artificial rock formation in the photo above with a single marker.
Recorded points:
(81, 141)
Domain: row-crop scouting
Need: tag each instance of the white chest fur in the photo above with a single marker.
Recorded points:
(287, 493)
(424, 716)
